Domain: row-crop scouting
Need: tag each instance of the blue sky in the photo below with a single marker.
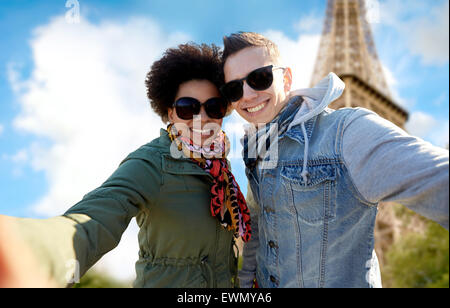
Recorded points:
(72, 97)
(203, 21)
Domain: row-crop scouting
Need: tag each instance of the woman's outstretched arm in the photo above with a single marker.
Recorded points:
(65, 247)
(18, 267)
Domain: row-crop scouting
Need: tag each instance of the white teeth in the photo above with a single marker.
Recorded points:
(257, 108)
(201, 131)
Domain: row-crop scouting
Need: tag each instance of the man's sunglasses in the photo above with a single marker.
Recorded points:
(259, 80)
(187, 107)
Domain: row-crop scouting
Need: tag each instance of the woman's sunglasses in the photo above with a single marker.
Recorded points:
(187, 107)
(259, 80)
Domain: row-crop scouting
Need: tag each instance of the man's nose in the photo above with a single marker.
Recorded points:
(248, 93)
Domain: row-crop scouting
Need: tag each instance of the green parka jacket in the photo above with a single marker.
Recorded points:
(180, 243)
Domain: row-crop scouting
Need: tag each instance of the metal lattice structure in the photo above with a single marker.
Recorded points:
(347, 49)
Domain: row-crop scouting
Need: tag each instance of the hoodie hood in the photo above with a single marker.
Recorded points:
(318, 98)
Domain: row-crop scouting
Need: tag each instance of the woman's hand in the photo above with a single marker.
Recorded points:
(18, 267)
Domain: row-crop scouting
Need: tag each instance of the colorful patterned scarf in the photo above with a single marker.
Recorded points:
(227, 202)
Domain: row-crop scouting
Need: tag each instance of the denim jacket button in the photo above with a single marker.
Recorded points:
(273, 279)
(272, 244)
(269, 210)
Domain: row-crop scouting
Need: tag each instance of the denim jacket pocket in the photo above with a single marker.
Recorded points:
(312, 200)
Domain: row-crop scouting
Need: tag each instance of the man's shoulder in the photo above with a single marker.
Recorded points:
(346, 111)
(346, 114)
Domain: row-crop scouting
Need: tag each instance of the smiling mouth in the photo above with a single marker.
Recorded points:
(203, 132)
(257, 108)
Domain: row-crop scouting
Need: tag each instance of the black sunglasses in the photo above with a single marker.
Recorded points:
(259, 80)
(187, 107)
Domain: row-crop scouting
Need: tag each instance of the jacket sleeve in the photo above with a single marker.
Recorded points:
(387, 164)
(68, 245)
(248, 272)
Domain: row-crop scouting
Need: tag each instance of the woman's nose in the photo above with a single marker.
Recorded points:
(200, 119)
(203, 115)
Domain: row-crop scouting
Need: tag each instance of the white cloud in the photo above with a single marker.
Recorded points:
(431, 36)
(429, 128)
(1, 129)
(440, 135)
(299, 55)
(391, 80)
(311, 23)
(425, 30)
(86, 97)
(19, 160)
(393, 86)
(20, 157)
(420, 124)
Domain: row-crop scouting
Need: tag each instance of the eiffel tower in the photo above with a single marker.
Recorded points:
(347, 49)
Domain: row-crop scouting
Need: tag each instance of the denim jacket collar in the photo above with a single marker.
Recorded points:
(296, 133)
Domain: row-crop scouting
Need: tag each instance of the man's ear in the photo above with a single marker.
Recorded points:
(287, 79)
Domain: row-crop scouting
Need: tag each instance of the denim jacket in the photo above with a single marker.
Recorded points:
(313, 213)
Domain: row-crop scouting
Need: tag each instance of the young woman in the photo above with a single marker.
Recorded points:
(179, 187)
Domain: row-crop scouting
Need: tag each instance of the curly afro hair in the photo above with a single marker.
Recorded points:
(184, 63)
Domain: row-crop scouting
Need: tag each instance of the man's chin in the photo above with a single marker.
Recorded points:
(258, 120)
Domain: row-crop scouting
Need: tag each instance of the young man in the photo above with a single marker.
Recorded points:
(317, 175)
